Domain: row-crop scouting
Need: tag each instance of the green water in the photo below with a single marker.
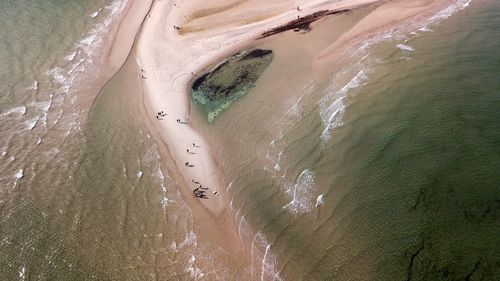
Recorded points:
(234, 78)
(410, 173)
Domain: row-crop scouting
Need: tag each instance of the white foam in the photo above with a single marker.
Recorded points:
(173, 246)
(22, 273)
(71, 56)
(73, 124)
(405, 47)
(164, 201)
(195, 272)
(19, 174)
(274, 146)
(277, 166)
(96, 13)
(425, 29)
(269, 263)
(450, 10)
(334, 121)
(56, 74)
(302, 194)
(242, 226)
(31, 123)
(20, 110)
(190, 239)
(444, 14)
(82, 52)
(332, 112)
(92, 36)
(320, 200)
(34, 86)
(161, 179)
(45, 105)
(139, 174)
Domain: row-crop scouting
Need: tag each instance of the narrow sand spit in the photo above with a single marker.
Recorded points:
(179, 39)
(121, 37)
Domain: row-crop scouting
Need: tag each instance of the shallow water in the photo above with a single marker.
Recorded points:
(402, 143)
(398, 149)
(234, 78)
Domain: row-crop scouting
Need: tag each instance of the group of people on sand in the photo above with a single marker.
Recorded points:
(187, 164)
(160, 115)
(201, 190)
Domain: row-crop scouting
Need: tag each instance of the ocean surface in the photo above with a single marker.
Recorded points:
(385, 170)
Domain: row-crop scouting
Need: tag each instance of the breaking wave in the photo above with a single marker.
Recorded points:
(301, 193)
(332, 105)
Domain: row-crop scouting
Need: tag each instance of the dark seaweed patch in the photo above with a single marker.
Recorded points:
(197, 83)
(257, 53)
(229, 81)
(303, 23)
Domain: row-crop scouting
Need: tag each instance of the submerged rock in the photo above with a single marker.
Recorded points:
(229, 81)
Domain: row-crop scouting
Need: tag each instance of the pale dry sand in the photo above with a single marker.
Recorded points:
(167, 57)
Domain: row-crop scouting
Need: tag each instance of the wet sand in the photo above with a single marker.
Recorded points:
(170, 52)
(114, 50)
(166, 62)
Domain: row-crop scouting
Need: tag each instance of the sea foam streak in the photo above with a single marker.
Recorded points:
(268, 263)
(320, 200)
(31, 123)
(94, 14)
(302, 194)
(19, 174)
(195, 272)
(332, 106)
(20, 110)
(80, 56)
(405, 47)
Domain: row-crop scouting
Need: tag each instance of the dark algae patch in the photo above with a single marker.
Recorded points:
(229, 81)
(302, 23)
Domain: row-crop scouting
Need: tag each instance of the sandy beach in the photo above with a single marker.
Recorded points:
(178, 40)
(167, 62)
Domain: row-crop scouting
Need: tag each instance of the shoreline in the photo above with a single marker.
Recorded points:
(166, 62)
(166, 87)
(111, 54)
